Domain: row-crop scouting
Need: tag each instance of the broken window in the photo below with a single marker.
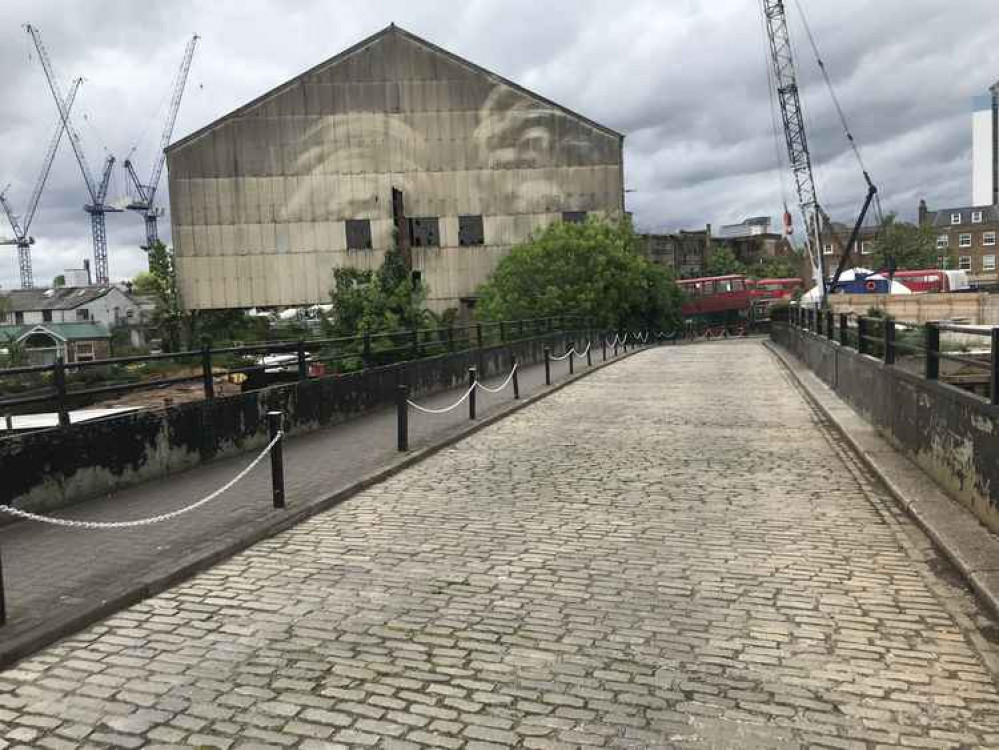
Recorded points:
(358, 234)
(470, 231)
(424, 232)
(574, 217)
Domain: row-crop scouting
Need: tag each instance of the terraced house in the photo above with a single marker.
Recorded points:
(969, 234)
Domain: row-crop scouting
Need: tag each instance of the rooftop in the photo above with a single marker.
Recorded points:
(58, 298)
(62, 331)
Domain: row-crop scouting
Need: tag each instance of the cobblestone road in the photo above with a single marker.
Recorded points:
(675, 552)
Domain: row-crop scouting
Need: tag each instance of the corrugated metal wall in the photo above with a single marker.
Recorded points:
(258, 202)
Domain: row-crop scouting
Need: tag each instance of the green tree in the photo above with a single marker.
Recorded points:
(168, 317)
(912, 247)
(59, 281)
(144, 283)
(388, 300)
(594, 270)
(783, 267)
(722, 262)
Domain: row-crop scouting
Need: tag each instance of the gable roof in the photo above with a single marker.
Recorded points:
(61, 331)
(941, 217)
(377, 36)
(58, 298)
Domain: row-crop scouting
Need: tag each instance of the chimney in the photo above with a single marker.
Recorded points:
(922, 212)
(86, 267)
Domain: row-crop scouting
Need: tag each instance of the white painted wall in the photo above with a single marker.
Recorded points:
(981, 157)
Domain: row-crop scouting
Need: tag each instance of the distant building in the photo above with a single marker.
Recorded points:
(969, 233)
(394, 141)
(107, 306)
(752, 241)
(834, 243)
(685, 253)
(985, 149)
(44, 343)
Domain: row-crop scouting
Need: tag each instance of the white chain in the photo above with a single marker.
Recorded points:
(500, 388)
(141, 521)
(455, 405)
(564, 356)
(585, 351)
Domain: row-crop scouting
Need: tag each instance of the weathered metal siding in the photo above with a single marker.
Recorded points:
(258, 202)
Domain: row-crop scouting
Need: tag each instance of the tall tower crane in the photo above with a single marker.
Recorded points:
(785, 82)
(21, 227)
(147, 192)
(97, 208)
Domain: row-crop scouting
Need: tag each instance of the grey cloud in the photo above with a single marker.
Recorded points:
(684, 80)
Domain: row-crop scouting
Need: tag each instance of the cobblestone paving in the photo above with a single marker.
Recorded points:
(675, 552)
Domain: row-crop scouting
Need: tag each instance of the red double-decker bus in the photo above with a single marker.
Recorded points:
(775, 289)
(717, 304)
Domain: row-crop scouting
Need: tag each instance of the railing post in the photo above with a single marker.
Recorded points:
(502, 332)
(402, 409)
(889, 334)
(548, 365)
(844, 329)
(414, 343)
(830, 320)
(589, 357)
(59, 381)
(571, 351)
(521, 328)
(207, 380)
(616, 340)
(3, 595)
(995, 367)
(471, 395)
(9, 422)
(478, 334)
(933, 352)
(303, 366)
(516, 380)
(275, 421)
(450, 338)
(861, 333)
(366, 351)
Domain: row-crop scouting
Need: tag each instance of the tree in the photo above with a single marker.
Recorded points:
(594, 270)
(59, 281)
(912, 247)
(722, 262)
(144, 283)
(783, 267)
(388, 300)
(168, 315)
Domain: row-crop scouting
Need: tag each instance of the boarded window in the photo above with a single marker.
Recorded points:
(424, 232)
(574, 217)
(358, 234)
(470, 231)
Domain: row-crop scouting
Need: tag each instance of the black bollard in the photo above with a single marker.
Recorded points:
(572, 355)
(471, 395)
(589, 355)
(275, 420)
(402, 410)
(603, 346)
(516, 381)
(548, 366)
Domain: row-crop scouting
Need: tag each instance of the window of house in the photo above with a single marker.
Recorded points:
(964, 240)
(18, 317)
(84, 351)
(470, 231)
(976, 217)
(827, 249)
(955, 218)
(416, 278)
(358, 234)
(46, 316)
(83, 314)
(988, 263)
(989, 238)
(574, 217)
(866, 248)
(964, 262)
(424, 232)
(943, 241)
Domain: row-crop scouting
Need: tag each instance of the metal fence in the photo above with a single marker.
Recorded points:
(61, 383)
(889, 340)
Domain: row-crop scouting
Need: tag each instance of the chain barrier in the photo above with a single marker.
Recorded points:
(455, 405)
(69, 522)
(500, 388)
(568, 354)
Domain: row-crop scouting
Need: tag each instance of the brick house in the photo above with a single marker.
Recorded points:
(969, 233)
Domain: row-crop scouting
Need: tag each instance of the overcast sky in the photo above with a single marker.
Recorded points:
(685, 80)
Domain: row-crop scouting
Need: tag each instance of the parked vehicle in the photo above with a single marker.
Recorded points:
(775, 289)
(717, 305)
(934, 280)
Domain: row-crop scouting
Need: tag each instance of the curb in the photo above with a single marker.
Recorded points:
(25, 645)
(989, 594)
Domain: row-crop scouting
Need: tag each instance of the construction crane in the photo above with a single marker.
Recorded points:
(21, 227)
(785, 84)
(147, 192)
(97, 208)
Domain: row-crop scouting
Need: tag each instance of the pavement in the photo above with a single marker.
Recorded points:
(675, 551)
(58, 580)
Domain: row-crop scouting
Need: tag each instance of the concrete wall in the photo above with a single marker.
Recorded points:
(973, 308)
(259, 200)
(948, 432)
(53, 468)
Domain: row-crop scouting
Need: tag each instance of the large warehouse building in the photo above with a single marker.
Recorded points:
(392, 141)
